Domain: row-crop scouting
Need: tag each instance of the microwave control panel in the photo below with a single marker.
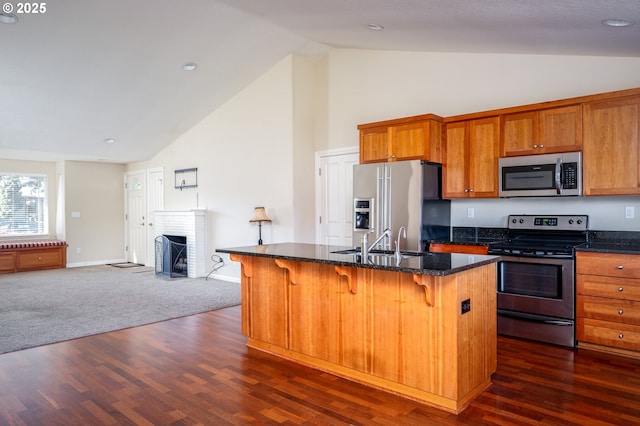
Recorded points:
(570, 176)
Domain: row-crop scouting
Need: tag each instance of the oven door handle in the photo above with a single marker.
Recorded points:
(558, 175)
(528, 318)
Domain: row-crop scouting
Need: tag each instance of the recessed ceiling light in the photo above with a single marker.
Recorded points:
(8, 18)
(190, 66)
(375, 27)
(616, 22)
(109, 140)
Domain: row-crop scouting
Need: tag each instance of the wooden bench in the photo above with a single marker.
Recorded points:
(19, 256)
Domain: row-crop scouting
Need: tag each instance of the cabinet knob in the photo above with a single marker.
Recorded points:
(620, 267)
(541, 145)
(535, 146)
(620, 336)
(39, 257)
(466, 190)
(471, 190)
(620, 289)
(619, 311)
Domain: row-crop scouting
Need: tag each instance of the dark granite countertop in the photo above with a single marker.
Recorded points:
(624, 242)
(610, 247)
(422, 264)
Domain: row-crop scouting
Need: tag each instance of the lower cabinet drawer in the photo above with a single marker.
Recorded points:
(49, 258)
(607, 333)
(7, 262)
(615, 310)
(616, 288)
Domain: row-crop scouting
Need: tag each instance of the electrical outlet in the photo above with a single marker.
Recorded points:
(78, 250)
(629, 212)
(471, 212)
(465, 306)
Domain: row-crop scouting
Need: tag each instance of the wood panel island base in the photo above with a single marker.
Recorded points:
(424, 329)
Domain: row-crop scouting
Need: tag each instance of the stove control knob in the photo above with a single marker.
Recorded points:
(521, 220)
(513, 221)
(570, 221)
(579, 221)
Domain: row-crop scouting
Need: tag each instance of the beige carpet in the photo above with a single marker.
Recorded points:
(42, 307)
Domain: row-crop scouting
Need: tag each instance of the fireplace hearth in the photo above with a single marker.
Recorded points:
(171, 256)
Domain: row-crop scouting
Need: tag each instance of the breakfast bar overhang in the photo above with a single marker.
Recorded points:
(422, 325)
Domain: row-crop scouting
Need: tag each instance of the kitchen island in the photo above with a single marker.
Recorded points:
(423, 326)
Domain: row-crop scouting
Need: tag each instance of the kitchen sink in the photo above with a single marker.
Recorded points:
(380, 252)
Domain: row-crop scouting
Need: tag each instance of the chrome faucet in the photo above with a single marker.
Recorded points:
(385, 234)
(402, 231)
(365, 243)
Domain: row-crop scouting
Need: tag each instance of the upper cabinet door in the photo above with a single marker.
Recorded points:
(519, 134)
(483, 157)
(374, 145)
(611, 152)
(542, 131)
(455, 176)
(470, 167)
(560, 129)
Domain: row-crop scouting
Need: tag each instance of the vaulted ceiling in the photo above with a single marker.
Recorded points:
(83, 72)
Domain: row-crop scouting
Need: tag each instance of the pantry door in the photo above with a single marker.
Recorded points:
(334, 196)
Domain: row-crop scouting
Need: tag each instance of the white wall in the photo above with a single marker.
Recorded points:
(245, 158)
(366, 86)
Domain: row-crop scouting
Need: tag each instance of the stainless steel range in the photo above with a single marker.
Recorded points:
(536, 284)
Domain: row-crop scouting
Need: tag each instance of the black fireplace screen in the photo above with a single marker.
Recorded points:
(171, 256)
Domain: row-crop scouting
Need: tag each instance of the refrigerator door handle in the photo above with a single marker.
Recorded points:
(381, 204)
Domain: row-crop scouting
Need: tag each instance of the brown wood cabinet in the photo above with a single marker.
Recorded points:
(542, 131)
(470, 168)
(611, 152)
(411, 138)
(608, 302)
(32, 259)
(457, 248)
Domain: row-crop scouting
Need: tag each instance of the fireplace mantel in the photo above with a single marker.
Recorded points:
(191, 224)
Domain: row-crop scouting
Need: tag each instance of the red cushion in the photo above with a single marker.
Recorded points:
(31, 244)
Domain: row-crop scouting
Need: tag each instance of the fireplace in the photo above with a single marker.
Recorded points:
(191, 224)
(171, 256)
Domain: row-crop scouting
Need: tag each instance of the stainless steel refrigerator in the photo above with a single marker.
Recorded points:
(396, 194)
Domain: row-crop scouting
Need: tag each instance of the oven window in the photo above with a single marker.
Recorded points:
(530, 279)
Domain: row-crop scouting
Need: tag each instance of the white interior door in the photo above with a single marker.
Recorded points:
(334, 187)
(155, 202)
(136, 217)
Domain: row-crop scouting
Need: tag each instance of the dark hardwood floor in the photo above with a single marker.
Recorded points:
(197, 370)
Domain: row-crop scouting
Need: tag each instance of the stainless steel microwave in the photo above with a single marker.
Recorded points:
(547, 175)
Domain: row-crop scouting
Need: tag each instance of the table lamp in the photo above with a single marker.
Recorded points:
(259, 215)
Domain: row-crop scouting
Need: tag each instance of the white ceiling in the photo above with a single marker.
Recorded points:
(88, 70)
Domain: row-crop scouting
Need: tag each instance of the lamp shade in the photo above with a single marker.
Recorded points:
(259, 215)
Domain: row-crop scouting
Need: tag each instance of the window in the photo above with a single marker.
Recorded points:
(23, 205)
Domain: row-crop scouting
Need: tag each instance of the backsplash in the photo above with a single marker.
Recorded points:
(605, 213)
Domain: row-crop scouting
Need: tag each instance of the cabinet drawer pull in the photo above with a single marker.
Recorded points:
(39, 257)
(620, 267)
(620, 336)
(620, 289)
(620, 312)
